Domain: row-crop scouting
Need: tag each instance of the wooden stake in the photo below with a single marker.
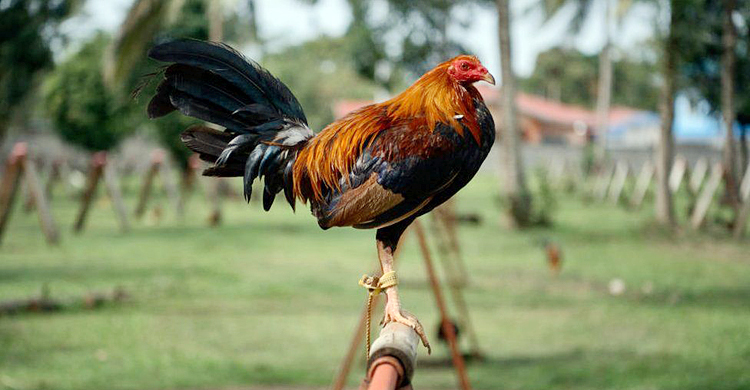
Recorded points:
(40, 201)
(745, 186)
(618, 182)
(157, 157)
(112, 182)
(28, 204)
(190, 175)
(706, 196)
(52, 178)
(446, 214)
(214, 219)
(170, 186)
(603, 185)
(10, 184)
(642, 184)
(698, 175)
(455, 285)
(98, 160)
(740, 223)
(677, 174)
(450, 335)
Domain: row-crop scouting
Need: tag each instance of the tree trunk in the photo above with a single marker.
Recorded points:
(743, 151)
(215, 11)
(664, 207)
(727, 102)
(604, 92)
(515, 186)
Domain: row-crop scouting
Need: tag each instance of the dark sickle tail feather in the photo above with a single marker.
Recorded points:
(264, 124)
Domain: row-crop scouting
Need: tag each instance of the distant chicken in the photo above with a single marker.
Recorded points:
(380, 167)
(554, 257)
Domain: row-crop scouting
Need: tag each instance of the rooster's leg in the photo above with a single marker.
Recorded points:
(393, 310)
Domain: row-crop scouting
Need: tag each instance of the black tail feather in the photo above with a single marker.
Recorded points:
(256, 82)
(265, 126)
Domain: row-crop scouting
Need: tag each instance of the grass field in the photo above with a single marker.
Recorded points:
(271, 299)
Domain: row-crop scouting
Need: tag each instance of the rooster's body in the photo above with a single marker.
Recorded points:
(380, 167)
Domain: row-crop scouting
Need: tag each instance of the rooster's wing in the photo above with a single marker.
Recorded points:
(404, 172)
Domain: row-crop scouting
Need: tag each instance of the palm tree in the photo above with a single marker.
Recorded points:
(515, 185)
(729, 41)
(143, 22)
(604, 93)
(615, 11)
(665, 156)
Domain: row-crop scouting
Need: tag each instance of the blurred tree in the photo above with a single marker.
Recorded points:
(147, 19)
(411, 39)
(192, 23)
(136, 33)
(321, 72)
(728, 62)
(569, 76)
(26, 29)
(518, 194)
(614, 12)
(149, 22)
(716, 62)
(677, 37)
(83, 111)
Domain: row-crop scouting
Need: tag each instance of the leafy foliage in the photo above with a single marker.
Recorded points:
(84, 112)
(192, 23)
(572, 77)
(701, 51)
(319, 73)
(26, 28)
(88, 114)
(412, 38)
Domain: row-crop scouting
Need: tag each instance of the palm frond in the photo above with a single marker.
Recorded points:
(137, 32)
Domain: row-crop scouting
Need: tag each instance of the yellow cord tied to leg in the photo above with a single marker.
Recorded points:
(375, 285)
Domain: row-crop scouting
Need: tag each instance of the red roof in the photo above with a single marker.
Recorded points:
(554, 111)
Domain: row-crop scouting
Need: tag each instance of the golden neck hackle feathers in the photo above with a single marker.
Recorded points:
(438, 98)
(435, 98)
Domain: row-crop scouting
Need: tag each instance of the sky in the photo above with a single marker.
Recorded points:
(288, 22)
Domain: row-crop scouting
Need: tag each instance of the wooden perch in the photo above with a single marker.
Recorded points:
(393, 358)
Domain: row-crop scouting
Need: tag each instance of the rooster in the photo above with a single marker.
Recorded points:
(380, 167)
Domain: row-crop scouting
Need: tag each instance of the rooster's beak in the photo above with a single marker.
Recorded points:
(488, 78)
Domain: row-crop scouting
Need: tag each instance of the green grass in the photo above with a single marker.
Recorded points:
(268, 298)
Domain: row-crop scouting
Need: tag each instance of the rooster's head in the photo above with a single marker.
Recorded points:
(468, 70)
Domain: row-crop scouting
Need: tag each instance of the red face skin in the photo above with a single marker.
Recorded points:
(468, 70)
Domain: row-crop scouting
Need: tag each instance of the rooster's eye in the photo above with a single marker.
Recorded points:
(464, 66)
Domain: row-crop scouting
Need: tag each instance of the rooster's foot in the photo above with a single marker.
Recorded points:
(393, 313)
